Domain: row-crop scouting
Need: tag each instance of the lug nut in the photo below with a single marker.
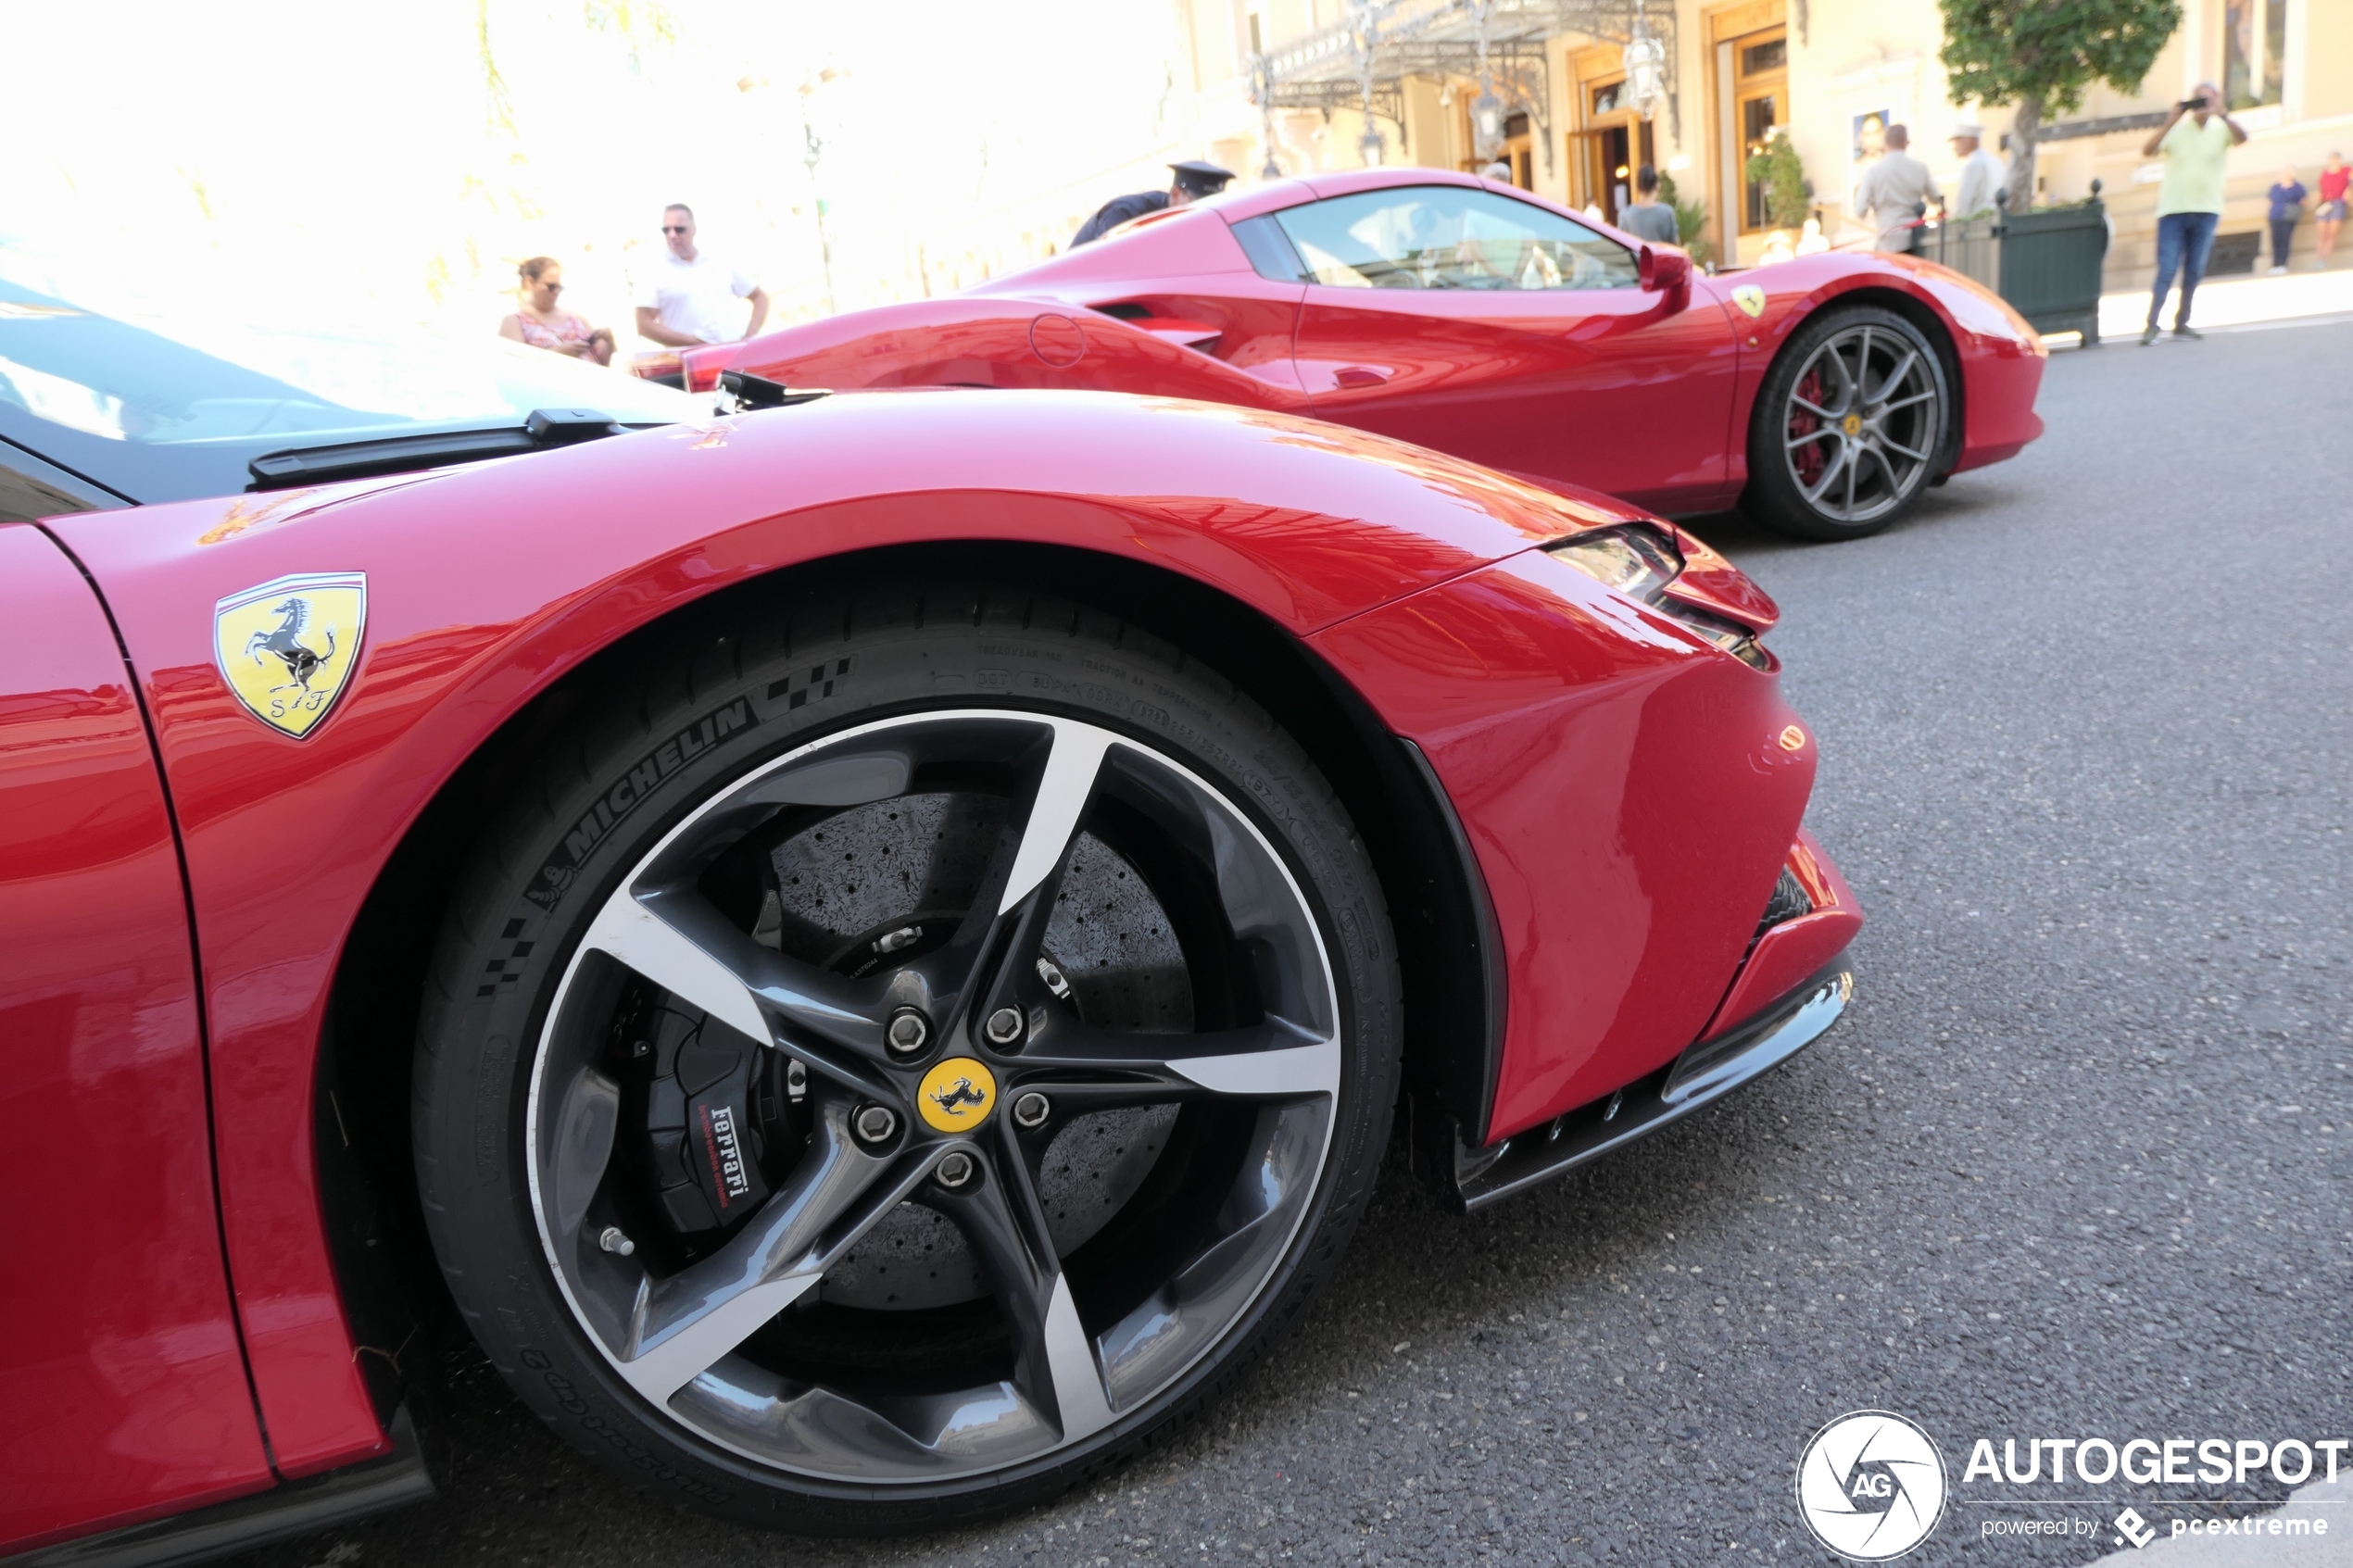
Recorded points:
(874, 1123)
(1032, 1110)
(1004, 1026)
(612, 1240)
(796, 1082)
(909, 1031)
(905, 936)
(955, 1169)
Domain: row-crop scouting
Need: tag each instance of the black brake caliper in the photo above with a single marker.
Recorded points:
(722, 1120)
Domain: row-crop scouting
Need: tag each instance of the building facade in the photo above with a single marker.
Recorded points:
(1545, 87)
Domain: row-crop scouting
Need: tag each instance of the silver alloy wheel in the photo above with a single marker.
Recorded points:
(711, 1336)
(1863, 423)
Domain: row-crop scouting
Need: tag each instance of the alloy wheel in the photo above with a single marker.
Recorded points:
(933, 1097)
(1862, 423)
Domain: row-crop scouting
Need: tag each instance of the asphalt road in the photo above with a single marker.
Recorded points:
(2075, 1164)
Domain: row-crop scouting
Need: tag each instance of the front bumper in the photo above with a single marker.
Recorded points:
(1471, 1178)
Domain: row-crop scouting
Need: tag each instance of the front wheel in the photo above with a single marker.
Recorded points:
(1849, 426)
(895, 1064)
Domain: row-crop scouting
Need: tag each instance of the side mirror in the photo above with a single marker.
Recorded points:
(1664, 269)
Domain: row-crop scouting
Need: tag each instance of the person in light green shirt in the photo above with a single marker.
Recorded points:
(2194, 140)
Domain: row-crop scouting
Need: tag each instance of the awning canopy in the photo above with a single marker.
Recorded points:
(1362, 61)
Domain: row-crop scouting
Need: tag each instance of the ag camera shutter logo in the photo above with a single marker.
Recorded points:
(1870, 1486)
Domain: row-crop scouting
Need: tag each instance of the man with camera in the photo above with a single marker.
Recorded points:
(2194, 140)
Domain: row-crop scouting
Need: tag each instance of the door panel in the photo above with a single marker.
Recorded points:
(122, 1388)
(1510, 362)
(1615, 389)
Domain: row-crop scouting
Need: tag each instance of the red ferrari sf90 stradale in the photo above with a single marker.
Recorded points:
(870, 947)
(1823, 394)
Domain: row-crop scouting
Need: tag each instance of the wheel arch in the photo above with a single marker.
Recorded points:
(1448, 956)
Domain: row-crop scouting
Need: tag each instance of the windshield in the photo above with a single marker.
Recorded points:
(173, 408)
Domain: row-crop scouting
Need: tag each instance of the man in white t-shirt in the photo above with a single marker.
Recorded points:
(688, 297)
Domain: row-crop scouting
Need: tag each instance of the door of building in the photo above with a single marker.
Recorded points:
(1760, 96)
(1615, 143)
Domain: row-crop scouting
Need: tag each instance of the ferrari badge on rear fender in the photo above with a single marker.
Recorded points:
(287, 649)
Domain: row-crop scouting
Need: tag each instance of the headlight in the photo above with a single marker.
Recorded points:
(1639, 562)
(1636, 562)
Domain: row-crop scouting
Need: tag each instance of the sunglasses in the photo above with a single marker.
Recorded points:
(674, 228)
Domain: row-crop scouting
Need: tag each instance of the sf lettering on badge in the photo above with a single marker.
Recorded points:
(287, 647)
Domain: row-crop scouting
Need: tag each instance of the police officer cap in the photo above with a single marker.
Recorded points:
(1198, 179)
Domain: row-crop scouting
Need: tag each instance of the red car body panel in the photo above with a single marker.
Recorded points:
(1582, 766)
(1531, 689)
(1648, 396)
(1784, 956)
(122, 1389)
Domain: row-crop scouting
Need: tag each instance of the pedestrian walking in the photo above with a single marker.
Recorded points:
(687, 297)
(1980, 173)
(542, 323)
(1895, 191)
(2287, 193)
(1647, 218)
(2194, 142)
(2330, 214)
(1190, 182)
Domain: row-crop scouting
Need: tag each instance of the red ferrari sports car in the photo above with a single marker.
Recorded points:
(869, 947)
(1822, 394)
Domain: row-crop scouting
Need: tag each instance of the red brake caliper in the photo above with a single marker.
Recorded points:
(1809, 460)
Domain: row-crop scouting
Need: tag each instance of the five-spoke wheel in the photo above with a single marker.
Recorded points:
(920, 1103)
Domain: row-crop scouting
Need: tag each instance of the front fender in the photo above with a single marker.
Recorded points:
(1999, 357)
(486, 584)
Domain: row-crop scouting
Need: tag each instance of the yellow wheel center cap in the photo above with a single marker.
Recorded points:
(1852, 424)
(957, 1094)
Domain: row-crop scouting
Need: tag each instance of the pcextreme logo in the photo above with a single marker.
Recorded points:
(1870, 1486)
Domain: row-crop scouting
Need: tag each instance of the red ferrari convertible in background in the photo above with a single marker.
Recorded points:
(869, 947)
(1822, 394)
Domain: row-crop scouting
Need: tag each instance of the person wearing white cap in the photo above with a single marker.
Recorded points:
(1980, 172)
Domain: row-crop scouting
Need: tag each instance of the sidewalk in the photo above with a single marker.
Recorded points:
(2231, 303)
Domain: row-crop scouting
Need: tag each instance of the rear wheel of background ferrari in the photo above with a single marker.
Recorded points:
(1848, 427)
(893, 1065)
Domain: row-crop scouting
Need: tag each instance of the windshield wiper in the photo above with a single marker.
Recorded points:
(544, 429)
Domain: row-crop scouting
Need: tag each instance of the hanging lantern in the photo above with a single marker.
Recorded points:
(1645, 71)
(1486, 125)
(1370, 146)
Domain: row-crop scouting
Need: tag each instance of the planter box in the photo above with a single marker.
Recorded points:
(1969, 248)
(2050, 267)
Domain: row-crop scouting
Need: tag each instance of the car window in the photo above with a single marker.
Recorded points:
(164, 406)
(1451, 237)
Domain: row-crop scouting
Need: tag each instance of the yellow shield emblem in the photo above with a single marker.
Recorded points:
(287, 647)
(1751, 298)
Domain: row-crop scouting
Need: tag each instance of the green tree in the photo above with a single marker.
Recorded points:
(1782, 173)
(2041, 55)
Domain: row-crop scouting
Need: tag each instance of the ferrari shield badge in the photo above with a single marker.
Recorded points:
(287, 647)
(1751, 298)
